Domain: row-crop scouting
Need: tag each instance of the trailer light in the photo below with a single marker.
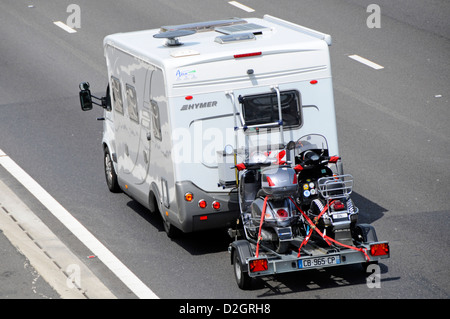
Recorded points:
(379, 249)
(188, 197)
(216, 205)
(257, 265)
(202, 203)
(313, 82)
(246, 55)
(205, 217)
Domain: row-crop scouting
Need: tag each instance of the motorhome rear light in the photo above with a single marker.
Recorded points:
(202, 203)
(216, 205)
(188, 197)
(271, 184)
(379, 249)
(257, 265)
(313, 82)
(204, 217)
(189, 97)
(246, 55)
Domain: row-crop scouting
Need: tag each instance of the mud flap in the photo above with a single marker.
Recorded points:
(365, 233)
(241, 247)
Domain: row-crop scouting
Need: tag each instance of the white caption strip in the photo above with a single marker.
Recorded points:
(366, 62)
(86, 237)
(64, 26)
(241, 6)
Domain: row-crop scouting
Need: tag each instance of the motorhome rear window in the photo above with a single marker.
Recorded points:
(263, 108)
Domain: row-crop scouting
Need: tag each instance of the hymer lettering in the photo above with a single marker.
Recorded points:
(200, 105)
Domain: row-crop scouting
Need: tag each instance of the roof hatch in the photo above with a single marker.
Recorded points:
(242, 28)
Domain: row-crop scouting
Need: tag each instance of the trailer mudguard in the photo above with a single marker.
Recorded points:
(241, 247)
(366, 233)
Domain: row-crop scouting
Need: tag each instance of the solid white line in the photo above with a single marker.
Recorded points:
(64, 26)
(241, 6)
(91, 242)
(366, 62)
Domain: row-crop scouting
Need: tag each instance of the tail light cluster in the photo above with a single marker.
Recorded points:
(189, 197)
(257, 265)
(380, 249)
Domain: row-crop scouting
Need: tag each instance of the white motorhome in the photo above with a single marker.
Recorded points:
(180, 94)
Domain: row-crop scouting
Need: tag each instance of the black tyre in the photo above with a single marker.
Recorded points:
(110, 173)
(281, 247)
(243, 280)
(171, 231)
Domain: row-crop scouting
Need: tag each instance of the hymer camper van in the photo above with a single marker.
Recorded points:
(185, 103)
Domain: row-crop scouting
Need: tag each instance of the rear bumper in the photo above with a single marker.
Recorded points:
(290, 262)
(193, 218)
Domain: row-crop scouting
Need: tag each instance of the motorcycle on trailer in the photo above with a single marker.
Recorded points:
(265, 185)
(297, 214)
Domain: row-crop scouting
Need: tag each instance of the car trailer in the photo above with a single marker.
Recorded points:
(252, 259)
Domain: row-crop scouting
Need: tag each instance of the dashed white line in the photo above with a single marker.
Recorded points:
(366, 62)
(241, 6)
(64, 26)
(83, 234)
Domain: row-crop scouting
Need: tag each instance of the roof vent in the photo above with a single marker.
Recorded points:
(242, 28)
(172, 36)
(237, 37)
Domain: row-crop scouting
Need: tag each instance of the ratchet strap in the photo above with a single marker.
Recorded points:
(325, 237)
(263, 213)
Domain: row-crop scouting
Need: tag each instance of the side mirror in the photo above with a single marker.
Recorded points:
(290, 145)
(85, 97)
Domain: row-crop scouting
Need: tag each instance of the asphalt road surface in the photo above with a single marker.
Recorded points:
(393, 125)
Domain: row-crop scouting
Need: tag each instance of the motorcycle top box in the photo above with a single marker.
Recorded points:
(279, 180)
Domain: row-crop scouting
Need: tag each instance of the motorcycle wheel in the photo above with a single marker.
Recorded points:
(281, 247)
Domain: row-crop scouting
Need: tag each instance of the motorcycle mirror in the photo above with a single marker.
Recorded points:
(290, 145)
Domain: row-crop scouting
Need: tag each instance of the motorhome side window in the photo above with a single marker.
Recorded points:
(156, 121)
(132, 103)
(263, 108)
(117, 95)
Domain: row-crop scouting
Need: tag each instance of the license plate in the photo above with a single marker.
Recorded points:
(339, 215)
(319, 262)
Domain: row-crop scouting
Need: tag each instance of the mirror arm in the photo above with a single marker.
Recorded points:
(101, 99)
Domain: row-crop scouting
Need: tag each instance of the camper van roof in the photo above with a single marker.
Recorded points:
(217, 40)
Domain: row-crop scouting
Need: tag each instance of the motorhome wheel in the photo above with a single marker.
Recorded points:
(110, 173)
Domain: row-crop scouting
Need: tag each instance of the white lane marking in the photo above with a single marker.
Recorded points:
(366, 62)
(86, 237)
(241, 6)
(64, 26)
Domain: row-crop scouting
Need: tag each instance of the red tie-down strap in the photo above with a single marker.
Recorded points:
(313, 226)
(325, 237)
(263, 213)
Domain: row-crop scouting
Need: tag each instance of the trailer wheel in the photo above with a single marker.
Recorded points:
(110, 173)
(242, 278)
